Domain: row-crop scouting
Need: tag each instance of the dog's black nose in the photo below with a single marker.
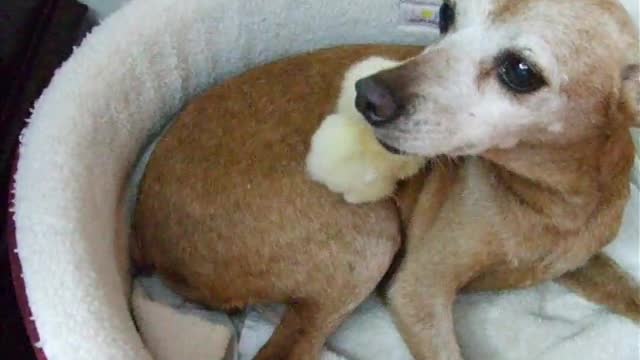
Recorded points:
(375, 102)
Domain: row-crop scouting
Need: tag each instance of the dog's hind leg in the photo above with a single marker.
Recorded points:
(304, 329)
(301, 333)
(604, 282)
(344, 283)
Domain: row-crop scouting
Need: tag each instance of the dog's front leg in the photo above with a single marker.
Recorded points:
(422, 309)
(422, 294)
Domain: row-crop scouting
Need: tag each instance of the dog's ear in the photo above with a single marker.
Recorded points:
(631, 91)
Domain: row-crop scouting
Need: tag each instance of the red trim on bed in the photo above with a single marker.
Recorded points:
(16, 269)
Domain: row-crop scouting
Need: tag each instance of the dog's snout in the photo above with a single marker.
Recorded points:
(376, 102)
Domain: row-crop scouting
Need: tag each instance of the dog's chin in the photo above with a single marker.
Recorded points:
(459, 151)
(392, 149)
(466, 150)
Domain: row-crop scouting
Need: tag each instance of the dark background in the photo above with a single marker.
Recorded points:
(36, 36)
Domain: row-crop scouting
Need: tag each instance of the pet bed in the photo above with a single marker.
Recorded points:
(130, 75)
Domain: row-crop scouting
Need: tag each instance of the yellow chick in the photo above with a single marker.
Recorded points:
(345, 154)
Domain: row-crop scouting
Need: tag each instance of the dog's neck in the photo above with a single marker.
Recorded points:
(562, 186)
(565, 185)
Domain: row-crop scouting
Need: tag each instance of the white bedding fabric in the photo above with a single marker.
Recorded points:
(131, 74)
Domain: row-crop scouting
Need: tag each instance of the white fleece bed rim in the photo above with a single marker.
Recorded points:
(88, 127)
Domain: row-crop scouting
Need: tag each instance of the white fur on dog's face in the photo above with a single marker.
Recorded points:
(455, 104)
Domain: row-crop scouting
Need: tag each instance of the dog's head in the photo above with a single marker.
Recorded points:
(508, 72)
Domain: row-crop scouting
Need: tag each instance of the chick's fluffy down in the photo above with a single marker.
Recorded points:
(345, 154)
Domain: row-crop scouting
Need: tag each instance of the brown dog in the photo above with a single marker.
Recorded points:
(227, 216)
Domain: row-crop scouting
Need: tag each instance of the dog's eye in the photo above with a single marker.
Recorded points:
(518, 75)
(446, 17)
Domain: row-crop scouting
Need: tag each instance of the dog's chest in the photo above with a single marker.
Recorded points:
(456, 202)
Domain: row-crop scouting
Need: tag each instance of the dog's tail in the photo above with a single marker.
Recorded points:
(604, 282)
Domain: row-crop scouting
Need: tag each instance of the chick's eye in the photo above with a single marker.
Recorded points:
(446, 17)
(518, 75)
